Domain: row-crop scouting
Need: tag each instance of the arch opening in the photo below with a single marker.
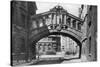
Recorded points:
(44, 48)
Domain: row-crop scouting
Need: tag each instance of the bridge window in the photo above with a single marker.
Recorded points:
(74, 23)
(60, 21)
(79, 26)
(68, 21)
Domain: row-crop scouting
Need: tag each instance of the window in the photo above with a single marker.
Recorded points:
(74, 23)
(68, 20)
(79, 26)
(63, 19)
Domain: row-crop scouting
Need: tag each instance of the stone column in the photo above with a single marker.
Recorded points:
(56, 18)
(52, 18)
(76, 25)
(71, 23)
(65, 19)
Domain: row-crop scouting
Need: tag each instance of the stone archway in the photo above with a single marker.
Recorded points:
(33, 44)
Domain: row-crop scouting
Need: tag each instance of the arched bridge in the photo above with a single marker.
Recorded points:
(56, 20)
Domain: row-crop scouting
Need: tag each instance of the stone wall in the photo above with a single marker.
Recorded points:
(20, 17)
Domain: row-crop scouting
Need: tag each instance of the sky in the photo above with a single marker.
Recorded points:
(46, 6)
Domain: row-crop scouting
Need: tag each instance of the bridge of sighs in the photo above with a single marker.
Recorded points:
(56, 21)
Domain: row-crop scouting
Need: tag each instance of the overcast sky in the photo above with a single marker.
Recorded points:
(46, 6)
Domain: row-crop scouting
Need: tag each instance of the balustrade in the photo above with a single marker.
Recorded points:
(71, 23)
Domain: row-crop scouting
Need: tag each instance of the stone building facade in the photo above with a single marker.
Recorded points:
(89, 28)
(92, 32)
(48, 45)
(21, 12)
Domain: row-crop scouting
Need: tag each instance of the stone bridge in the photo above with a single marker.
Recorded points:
(56, 21)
